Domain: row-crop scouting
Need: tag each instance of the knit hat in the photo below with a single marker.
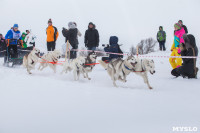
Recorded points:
(91, 23)
(50, 21)
(15, 26)
(177, 25)
(23, 33)
(180, 21)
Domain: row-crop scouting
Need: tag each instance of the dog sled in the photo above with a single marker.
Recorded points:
(14, 55)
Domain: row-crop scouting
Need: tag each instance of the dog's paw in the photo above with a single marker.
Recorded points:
(150, 88)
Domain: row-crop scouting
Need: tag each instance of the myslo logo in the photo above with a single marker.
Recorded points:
(184, 129)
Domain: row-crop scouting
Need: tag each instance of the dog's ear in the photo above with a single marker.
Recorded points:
(152, 61)
(129, 57)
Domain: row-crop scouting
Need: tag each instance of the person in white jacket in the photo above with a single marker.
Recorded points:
(30, 40)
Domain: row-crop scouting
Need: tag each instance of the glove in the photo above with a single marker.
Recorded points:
(107, 46)
(179, 50)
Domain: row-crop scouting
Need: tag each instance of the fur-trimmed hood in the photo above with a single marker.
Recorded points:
(72, 25)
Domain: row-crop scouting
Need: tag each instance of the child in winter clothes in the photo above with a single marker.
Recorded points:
(161, 38)
(23, 39)
(113, 48)
(178, 39)
(188, 68)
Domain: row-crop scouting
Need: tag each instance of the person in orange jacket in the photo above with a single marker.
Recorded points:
(52, 36)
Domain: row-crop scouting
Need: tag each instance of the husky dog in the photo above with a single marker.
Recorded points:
(118, 69)
(76, 65)
(30, 60)
(89, 64)
(142, 67)
(50, 59)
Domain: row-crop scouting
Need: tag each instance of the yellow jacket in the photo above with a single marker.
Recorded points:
(51, 35)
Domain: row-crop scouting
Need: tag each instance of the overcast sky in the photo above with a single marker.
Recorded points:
(130, 20)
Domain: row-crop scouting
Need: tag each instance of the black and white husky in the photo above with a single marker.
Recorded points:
(144, 66)
(119, 69)
(75, 65)
(90, 62)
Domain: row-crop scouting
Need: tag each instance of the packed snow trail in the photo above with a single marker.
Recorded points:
(47, 102)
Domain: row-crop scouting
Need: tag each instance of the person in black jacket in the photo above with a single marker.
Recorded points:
(184, 27)
(188, 68)
(71, 36)
(113, 47)
(2, 45)
(91, 37)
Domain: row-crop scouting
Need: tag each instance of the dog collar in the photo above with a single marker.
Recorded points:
(127, 68)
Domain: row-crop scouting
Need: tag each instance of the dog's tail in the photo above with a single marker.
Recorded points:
(103, 64)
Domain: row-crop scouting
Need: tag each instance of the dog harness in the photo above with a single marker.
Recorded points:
(143, 69)
(128, 68)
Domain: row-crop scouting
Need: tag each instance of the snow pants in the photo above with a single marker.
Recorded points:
(51, 46)
(162, 46)
(175, 62)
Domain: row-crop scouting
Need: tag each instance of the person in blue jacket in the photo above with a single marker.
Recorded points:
(13, 36)
(113, 48)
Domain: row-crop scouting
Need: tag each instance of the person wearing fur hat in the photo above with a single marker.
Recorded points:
(161, 38)
(71, 36)
(178, 39)
(188, 68)
(91, 37)
(52, 36)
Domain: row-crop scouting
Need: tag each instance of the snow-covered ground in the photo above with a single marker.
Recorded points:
(45, 102)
